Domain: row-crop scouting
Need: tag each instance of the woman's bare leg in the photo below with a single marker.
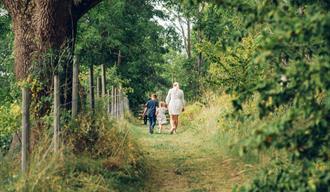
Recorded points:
(175, 118)
(172, 121)
(176, 122)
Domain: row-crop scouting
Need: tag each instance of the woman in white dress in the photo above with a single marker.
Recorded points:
(175, 101)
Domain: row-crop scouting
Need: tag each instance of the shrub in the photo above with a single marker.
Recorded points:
(10, 115)
(97, 155)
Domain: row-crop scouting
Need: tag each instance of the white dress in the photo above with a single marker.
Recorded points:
(161, 116)
(175, 101)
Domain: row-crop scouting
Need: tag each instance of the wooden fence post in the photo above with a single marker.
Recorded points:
(116, 103)
(121, 97)
(109, 103)
(98, 87)
(103, 79)
(56, 113)
(26, 100)
(75, 84)
(127, 104)
(112, 101)
(91, 89)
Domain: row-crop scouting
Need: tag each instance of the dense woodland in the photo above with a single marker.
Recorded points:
(269, 59)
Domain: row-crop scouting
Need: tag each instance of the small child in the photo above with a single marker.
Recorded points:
(161, 117)
(150, 110)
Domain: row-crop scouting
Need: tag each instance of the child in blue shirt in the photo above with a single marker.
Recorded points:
(150, 110)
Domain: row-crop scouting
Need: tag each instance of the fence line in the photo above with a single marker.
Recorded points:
(117, 105)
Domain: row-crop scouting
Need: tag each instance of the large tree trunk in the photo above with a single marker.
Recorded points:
(44, 41)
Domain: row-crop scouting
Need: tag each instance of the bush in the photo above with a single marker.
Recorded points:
(10, 115)
(97, 155)
(292, 177)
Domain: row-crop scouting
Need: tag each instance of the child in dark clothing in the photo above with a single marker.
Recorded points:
(150, 111)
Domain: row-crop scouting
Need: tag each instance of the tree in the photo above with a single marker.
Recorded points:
(6, 59)
(128, 27)
(46, 29)
(282, 56)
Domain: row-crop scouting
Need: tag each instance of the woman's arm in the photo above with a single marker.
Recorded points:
(168, 97)
(183, 101)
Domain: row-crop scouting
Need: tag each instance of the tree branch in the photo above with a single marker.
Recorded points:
(83, 7)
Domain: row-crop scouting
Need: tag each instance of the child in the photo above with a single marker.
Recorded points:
(161, 117)
(150, 111)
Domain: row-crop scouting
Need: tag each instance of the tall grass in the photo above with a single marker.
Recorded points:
(97, 155)
(230, 135)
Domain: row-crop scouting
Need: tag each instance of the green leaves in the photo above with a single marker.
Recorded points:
(10, 115)
(128, 27)
(279, 52)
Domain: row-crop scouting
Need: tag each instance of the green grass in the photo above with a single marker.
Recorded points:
(204, 155)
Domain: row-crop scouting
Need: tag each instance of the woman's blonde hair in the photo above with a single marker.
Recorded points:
(176, 84)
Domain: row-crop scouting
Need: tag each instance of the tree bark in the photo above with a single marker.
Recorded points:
(104, 80)
(45, 31)
(119, 58)
(189, 38)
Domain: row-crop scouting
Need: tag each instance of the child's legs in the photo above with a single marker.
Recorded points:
(145, 119)
(151, 123)
(160, 127)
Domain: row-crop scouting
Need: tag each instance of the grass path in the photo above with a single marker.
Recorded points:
(188, 161)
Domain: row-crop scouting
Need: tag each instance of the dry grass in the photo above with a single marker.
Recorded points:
(99, 157)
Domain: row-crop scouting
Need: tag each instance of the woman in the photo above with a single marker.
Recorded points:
(175, 102)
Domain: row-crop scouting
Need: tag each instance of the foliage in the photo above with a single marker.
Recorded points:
(286, 66)
(123, 26)
(273, 53)
(102, 157)
(233, 68)
(10, 116)
(8, 91)
(289, 177)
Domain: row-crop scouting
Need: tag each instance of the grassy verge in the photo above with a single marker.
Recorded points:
(98, 156)
(228, 138)
(205, 154)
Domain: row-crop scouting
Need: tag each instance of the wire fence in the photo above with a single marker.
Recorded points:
(113, 100)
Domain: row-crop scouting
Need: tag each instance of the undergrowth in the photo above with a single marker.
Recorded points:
(231, 135)
(97, 154)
